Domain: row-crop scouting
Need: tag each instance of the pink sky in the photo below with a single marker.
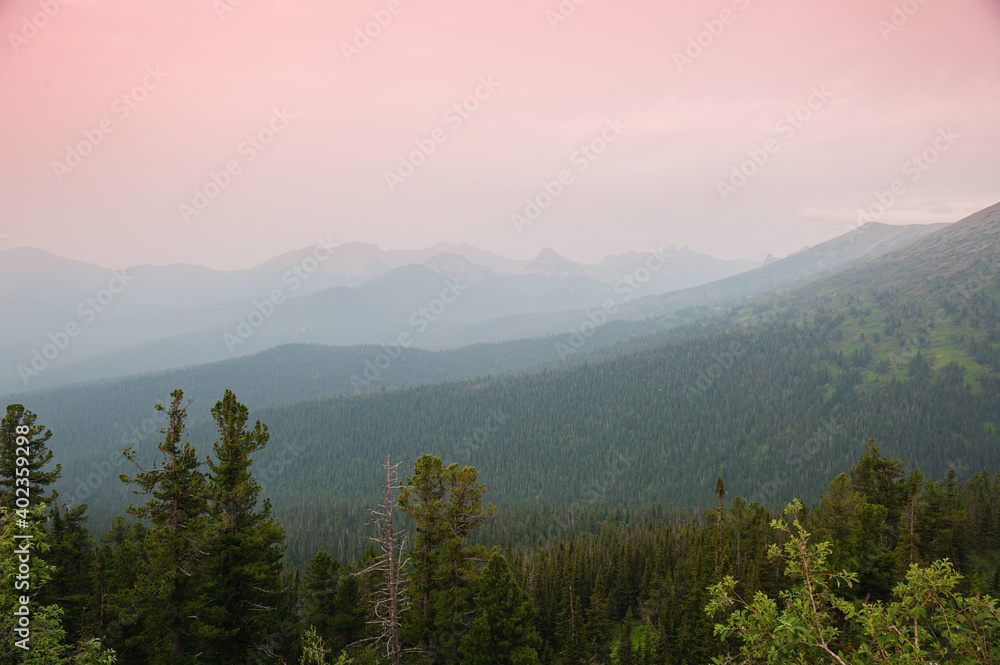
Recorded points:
(324, 174)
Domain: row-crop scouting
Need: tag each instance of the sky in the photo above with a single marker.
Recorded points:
(225, 132)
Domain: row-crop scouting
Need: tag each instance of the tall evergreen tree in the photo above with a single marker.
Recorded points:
(446, 506)
(570, 626)
(22, 437)
(245, 543)
(720, 521)
(502, 631)
(72, 555)
(115, 608)
(880, 480)
(422, 498)
(319, 594)
(599, 625)
(333, 603)
(171, 587)
(461, 562)
(625, 655)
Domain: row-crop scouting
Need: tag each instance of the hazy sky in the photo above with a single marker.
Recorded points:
(113, 114)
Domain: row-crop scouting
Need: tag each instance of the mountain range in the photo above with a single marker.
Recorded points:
(891, 332)
(155, 318)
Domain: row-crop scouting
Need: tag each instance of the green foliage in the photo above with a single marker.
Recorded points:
(22, 437)
(502, 630)
(446, 506)
(72, 556)
(313, 648)
(926, 622)
(47, 643)
(245, 543)
(172, 581)
(332, 602)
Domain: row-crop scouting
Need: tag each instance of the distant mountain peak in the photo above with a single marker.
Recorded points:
(550, 264)
(549, 254)
(450, 265)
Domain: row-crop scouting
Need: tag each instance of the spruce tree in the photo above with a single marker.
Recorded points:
(447, 507)
(22, 437)
(598, 629)
(625, 655)
(502, 632)
(319, 594)
(72, 555)
(170, 589)
(245, 543)
(422, 499)
(115, 607)
(461, 562)
(570, 626)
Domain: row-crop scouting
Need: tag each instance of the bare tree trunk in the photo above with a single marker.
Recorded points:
(389, 601)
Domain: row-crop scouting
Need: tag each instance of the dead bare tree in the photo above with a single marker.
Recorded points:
(389, 599)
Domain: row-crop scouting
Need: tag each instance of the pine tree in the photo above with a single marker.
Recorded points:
(170, 589)
(313, 648)
(880, 480)
(625, 655)
(446, 506)
(907, 548)
(720, 534)
(838, 520)
(72, 555)
(21, 437)
(461, 562)
(502, 632)
(422, 499)
(115, 606)
(245, 543)
(599, 625)
(570, 628)
(319, 594)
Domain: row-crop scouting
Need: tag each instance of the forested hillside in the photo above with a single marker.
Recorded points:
(779, 399)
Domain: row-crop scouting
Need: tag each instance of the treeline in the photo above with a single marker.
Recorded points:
(196, 576)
